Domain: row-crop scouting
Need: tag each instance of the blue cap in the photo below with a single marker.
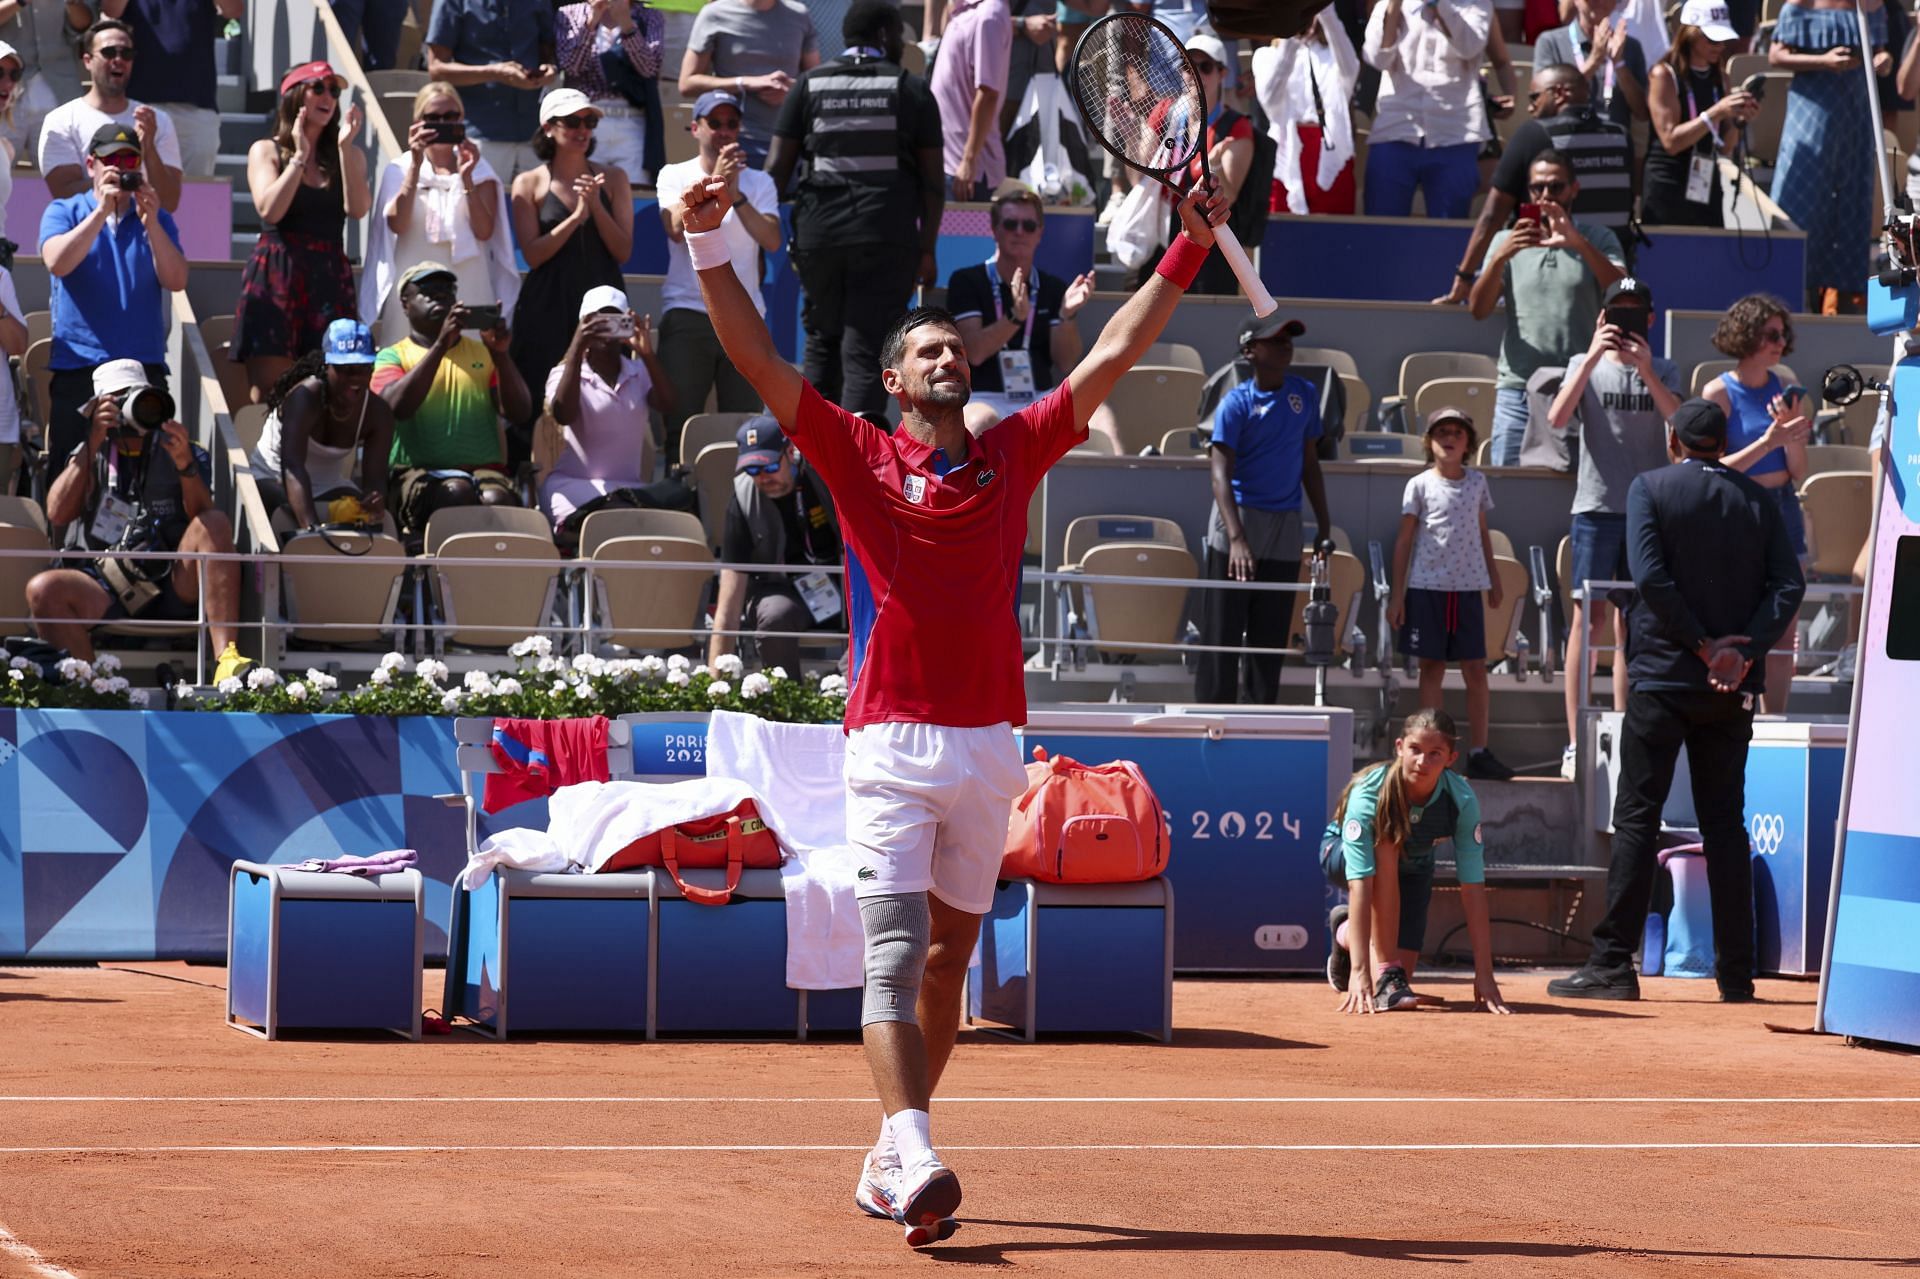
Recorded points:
(761, 442)
(703, 105)
(347, 342)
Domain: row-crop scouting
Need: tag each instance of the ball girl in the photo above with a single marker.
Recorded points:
(1379, 847)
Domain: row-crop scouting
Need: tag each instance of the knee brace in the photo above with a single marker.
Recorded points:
(897, 927)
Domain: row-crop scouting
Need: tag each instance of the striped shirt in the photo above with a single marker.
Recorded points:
(861, 124)
(1602, 160)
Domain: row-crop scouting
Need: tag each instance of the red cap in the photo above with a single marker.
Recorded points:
(311, 71)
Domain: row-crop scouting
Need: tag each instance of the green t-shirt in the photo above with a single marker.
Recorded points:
(1451, 812)
(1552, 302)
(458, 424)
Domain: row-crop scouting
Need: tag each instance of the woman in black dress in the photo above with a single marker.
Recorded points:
(306, 184)
(574, 223)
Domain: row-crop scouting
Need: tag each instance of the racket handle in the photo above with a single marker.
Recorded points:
(1263, 303)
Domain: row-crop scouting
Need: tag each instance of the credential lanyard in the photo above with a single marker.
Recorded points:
(1033, 297)
(1693, 113)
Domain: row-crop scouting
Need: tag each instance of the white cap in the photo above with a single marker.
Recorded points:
(603, 297)
(116, 376)
(1209, 45)
(1711, 17)
(566, 102)
(8, 51)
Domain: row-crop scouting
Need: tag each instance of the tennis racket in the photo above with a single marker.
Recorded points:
(1139, 95)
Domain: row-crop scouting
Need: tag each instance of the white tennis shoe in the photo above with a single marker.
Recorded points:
(926, 1197)
(873, 1194)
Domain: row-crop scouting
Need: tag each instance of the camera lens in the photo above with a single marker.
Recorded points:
(1842, 385)
(147, 408)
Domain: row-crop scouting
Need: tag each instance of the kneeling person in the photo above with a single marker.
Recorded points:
(327, 435)
(135, 483)
(780, 513)
(448, 393)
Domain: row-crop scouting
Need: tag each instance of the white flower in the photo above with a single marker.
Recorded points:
(382, 676)
(588, 664)
(777, 674)
(533, 645)
(261, 677)
(139, 697)
(728, 665)
(185, 692)
(508, 687)
(559, 688)
(321, 682)
(584, 691)
(702, 669)
(430, 670)
(106, 664)
(297, 691)
(229, 686)
(18, 677)
(119, 684)
(101, 686)
(754, 685)
(393, 662)
(718, 689)
(548, 665)
(833, 686)
(679, 679)
(650, 666)
(72, 668)
(477, 682)
(450, 700)
(678, 662)
(19, 663)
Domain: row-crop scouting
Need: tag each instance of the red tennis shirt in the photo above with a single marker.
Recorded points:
(933, 549)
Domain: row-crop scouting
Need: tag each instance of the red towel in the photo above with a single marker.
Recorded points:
(539, 756)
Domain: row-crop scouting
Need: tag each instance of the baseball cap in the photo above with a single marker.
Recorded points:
(761, 442)
(1628, 287)
(1209, 45)
(603, 297)
(1256, 329)
(116, 376)
(703, 105)
(1448, 413)
(421, 270)
(1700, 424)
(347, 341)
(312, 71)
(111, 137)
(8, 51)
(1711, 17)
(565, 102)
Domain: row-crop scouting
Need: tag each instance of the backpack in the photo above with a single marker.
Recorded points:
(1248, 217)
(1085, 824)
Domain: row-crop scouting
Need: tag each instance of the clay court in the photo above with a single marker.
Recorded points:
(1673, 1136)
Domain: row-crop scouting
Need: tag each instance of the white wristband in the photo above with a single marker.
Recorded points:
(708, 249)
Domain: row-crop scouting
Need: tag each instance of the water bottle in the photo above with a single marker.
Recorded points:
(1320, 616)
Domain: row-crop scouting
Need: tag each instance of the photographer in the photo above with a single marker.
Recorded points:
(325, 426)
(136, 483)
(108, 272)
(447, 392)
(600, 394)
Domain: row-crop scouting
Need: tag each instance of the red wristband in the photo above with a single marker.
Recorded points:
(1182, 261)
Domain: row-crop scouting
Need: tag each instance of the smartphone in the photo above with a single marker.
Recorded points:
(1755, 86)
(1793, 396)
(1629, 319)
(483, 317)
(449, 130)
(1529, 212)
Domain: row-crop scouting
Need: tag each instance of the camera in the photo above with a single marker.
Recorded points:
(131, 180)
(1755, 85)
(143, 409)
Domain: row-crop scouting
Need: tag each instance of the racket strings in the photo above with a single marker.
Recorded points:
(1137, 92)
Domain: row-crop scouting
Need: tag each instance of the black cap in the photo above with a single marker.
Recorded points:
(1628, 287)
(1257, 329)
(1701, 425)
(111, 137)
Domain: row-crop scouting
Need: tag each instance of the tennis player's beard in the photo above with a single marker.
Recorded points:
(945, 396)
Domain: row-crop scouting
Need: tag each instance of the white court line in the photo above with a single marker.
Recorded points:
(1308, 1147)
(11, 1245)
(283, 1099)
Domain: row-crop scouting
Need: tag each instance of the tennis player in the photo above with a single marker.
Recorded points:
(934, 522)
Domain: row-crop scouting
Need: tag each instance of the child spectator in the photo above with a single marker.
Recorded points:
(327, 436)
(1442, 563)
(1379, 847)
(1264, 457)
(600, 394)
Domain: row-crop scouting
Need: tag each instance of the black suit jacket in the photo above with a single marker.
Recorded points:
(1710, 557)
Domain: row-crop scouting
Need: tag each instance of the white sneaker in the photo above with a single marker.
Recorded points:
(1569, 762)
(873, 1194)
(926, 1197)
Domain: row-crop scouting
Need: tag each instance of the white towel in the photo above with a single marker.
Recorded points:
(591, 821)
(796, 771)
(518, 849)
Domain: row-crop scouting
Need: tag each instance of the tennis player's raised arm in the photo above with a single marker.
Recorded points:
(1137, 325)
(743, 334)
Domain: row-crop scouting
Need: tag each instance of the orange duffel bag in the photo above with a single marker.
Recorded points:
(1085, 824)
(735, 840)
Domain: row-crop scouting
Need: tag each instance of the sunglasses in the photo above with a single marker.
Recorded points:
(322, 87)
(1206, 66)
(763, 468)
(1029, 225)
(1773, 335)
(119, 53)
(588, 122)
(14, 74)
(120, 159)
(1546, 188)
(724, 123)
(442, 117)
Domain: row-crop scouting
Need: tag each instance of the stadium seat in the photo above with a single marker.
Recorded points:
(216, 330)
(1471, 395)
(713, 481)
(655, 608)
(1337, 360)
(1839, 510)
(319, 597)
(1184, 441)
(1707, 370)
(1422, 367)
(604, 526)
(703, 429)
(1150, 400)
(1089, 531)
(681, 145)
(1741, 65)
(1359, 401)
(1177, 355)
(38, 375)
(1822, 458)
(1135, 546)
(408, 82)
(23, 527)
(1513, 595)
(509, 601)
(1762, 133)
(1392, 446)
(249, 420)
(232, 376)
(39, 325)
(1098, 442)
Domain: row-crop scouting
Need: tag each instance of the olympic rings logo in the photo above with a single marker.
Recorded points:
(1769, 831)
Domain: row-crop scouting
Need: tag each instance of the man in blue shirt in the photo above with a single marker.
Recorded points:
(499, 54)
(110, 250)
(1263, 457)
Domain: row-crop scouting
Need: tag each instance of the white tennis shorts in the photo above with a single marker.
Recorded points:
(927, 809)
